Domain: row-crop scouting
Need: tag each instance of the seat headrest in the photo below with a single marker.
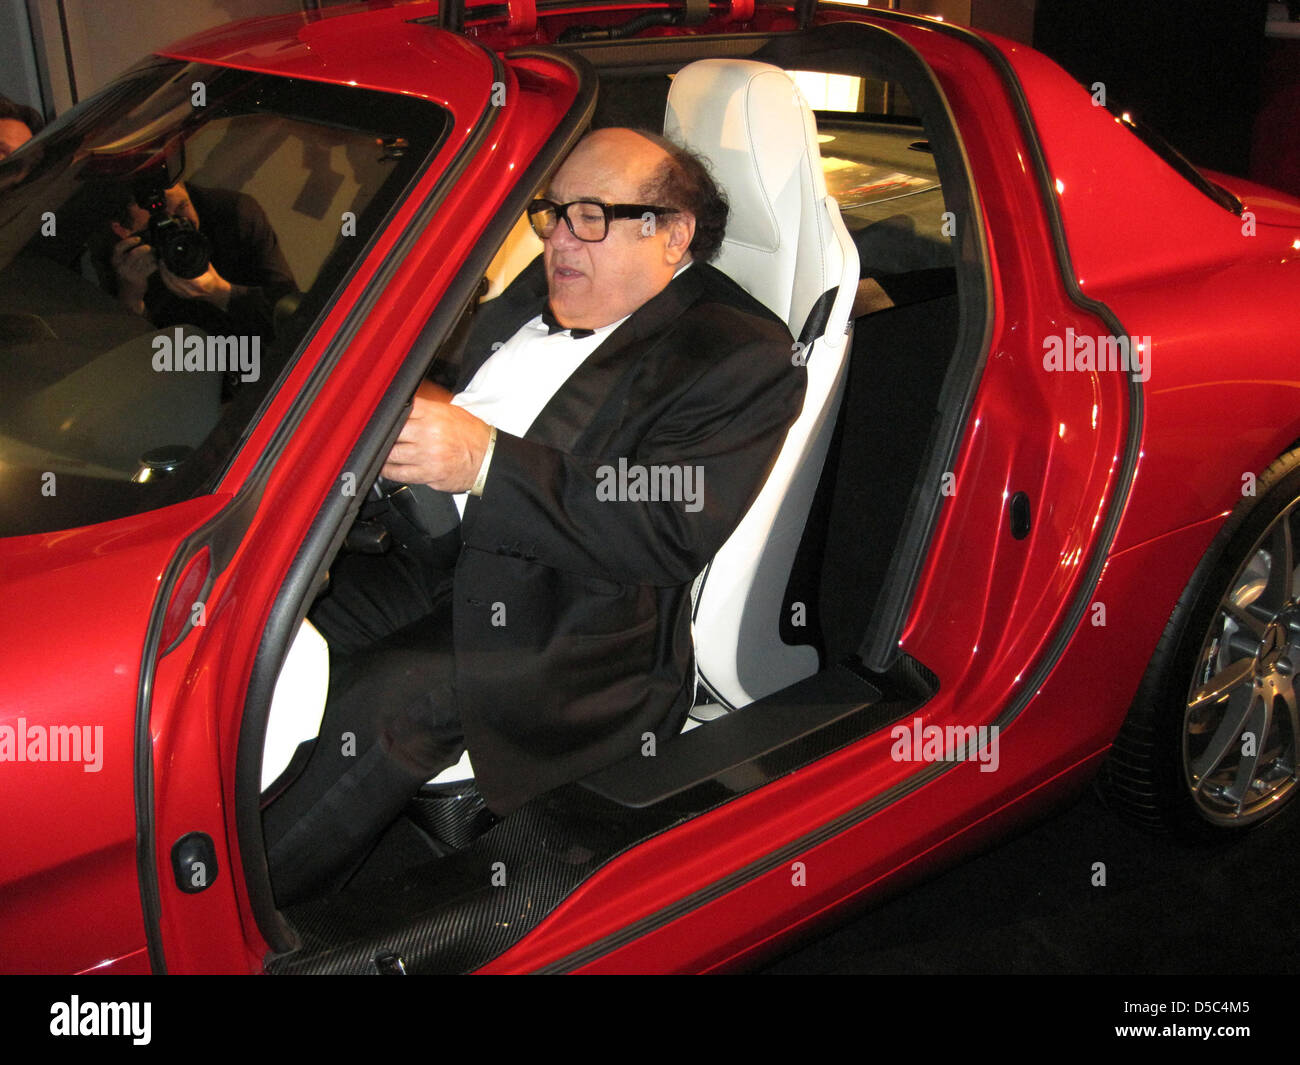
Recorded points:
(751, 123)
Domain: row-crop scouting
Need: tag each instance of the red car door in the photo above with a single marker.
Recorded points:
(506, 122)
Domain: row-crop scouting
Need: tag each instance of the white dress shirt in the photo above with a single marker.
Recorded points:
(510, 389)
(520, 377)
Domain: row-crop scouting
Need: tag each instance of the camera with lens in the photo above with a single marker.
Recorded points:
(176, 241)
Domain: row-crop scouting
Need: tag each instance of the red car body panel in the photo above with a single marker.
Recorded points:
(989, 616)
(1178, 268)
(69, 842)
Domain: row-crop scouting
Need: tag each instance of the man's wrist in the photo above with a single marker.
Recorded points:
(224, 293)
(477, 488)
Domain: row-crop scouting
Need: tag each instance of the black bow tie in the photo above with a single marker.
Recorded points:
(552, 326)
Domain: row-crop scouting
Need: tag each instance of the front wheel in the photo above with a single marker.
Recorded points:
(1210, 743)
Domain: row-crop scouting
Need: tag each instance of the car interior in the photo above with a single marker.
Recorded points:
(822, 197)
(884, 197)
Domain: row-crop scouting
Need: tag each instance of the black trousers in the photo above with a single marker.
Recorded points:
(391, 720)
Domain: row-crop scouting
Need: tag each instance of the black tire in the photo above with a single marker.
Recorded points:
(1209, 746)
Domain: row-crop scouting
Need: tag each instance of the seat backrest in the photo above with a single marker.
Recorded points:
(787, 245)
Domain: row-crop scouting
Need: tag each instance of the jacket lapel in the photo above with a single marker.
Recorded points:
(588, 407)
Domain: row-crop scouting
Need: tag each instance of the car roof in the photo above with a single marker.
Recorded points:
(385, 48)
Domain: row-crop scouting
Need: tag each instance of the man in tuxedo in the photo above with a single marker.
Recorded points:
(617, 410)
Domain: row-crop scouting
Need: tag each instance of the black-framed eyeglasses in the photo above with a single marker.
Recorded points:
(587, 220)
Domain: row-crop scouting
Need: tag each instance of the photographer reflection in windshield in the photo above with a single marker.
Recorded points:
(187, 255)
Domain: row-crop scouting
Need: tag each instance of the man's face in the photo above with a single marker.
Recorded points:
(13, 135)
(592, 285)
(176, 202)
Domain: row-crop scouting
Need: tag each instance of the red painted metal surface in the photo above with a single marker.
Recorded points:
(73, 627)
(1213, 291)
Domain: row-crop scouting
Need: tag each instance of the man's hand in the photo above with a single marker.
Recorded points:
(134, 263)
(440, 445)
(209, 286)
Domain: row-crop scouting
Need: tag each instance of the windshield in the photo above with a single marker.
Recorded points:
(165, 251)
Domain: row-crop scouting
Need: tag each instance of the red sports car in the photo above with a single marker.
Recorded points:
(1036, 524)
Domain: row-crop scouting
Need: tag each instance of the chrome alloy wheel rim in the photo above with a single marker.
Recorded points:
(1241, 722)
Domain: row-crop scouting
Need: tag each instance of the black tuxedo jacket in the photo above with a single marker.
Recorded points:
(571, 610)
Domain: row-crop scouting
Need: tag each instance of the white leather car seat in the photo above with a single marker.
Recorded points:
(788, 246)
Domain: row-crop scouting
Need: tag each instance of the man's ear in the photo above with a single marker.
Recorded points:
(681, 231)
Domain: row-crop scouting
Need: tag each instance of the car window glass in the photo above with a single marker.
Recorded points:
(845, 92)
(880, 169)
(123, 389)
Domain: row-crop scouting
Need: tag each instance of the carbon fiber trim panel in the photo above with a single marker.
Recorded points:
(457, 817)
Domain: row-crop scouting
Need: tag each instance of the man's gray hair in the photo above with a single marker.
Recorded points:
(684, 181)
